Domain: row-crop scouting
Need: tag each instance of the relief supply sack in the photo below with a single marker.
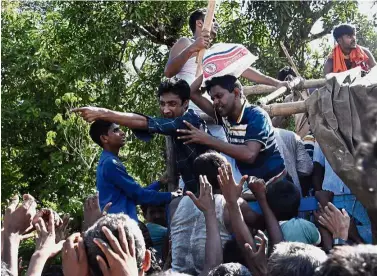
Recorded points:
(226, 59)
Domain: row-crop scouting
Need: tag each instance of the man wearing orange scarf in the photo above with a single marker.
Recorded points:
(347, 54)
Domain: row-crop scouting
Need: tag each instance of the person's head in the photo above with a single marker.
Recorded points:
(230, 269)
(286, 73)
(359, 260)
(154, 214)
(226, 92)
(283, 197)
(196, 22)
(174, 96)
(232, 253)
(208, 164)
(295, 259)
(111, 221)
(345, 36)
(107, 135)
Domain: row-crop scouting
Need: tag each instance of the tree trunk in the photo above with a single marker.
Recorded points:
(171, 165)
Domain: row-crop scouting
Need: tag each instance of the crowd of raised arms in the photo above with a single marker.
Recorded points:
(229, 153)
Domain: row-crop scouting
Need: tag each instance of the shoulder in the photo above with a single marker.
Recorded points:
(111, 161)
(367, 51)
(255, 114)
(183, 42)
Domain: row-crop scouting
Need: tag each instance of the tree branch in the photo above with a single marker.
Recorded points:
(319, 35)
(137, 70)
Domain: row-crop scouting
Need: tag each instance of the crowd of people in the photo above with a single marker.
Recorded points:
(228, 153)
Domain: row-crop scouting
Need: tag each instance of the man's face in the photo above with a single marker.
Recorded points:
(223, 100)
(171, 105)
(115, 137)
(156, 214)
(348, 41)
(214, 28)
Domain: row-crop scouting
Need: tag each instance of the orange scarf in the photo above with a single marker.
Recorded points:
(357, 57)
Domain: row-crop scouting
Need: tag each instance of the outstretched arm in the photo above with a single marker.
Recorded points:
(130, 120)
(255, 76)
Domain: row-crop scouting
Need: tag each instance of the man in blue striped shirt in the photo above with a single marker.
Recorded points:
(249, 129)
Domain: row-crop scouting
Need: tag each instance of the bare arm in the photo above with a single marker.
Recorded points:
(318, 176)
(258, 187)
(180, 53)
(371, 60)
(197, 97)
(328, 67)
(256, 76)
(206, 204)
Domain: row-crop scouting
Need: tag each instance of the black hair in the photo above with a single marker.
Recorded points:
(283, 197)
(230, 269)
(294, 259)
(208, 164)
(199, 14)
(285, 72)
(97, 129)
(359, 260)
(343, 29)
(227, 82)
(176, 86)
(232, 253)
(111, 221)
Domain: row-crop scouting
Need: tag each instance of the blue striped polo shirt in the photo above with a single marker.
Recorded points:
(254, 124)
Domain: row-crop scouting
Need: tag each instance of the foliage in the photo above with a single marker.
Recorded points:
(60, 54)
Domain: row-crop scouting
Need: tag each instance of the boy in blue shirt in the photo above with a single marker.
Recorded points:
(114, 184)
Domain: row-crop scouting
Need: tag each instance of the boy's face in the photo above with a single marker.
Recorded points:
(115, 137)
(223, 100)
(171, 105)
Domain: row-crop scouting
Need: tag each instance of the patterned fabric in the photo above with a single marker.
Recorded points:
(254, 124)
(186, 154)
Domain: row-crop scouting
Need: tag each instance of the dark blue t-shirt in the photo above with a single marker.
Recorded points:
(254, 124)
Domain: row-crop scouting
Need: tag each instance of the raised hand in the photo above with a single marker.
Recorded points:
(257, 261)
(74, 257)
(92, 211)
(205, 202)
(231, 191)
(18, 218)
(45, 242)
(120, 255)
(258, 187)
(336, 221)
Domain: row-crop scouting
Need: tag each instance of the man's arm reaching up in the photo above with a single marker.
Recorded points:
(197, 97)
(255, 76)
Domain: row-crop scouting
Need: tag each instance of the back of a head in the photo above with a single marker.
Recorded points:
(208, 164)
(97, 129)
(227, 82)
(230, 269)
(199, 14)
(295, 259)
(111, 221)
(343, 29)
(359, 260)
(176, 86)
(285, 72)
(232, 253)
(283, 197)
